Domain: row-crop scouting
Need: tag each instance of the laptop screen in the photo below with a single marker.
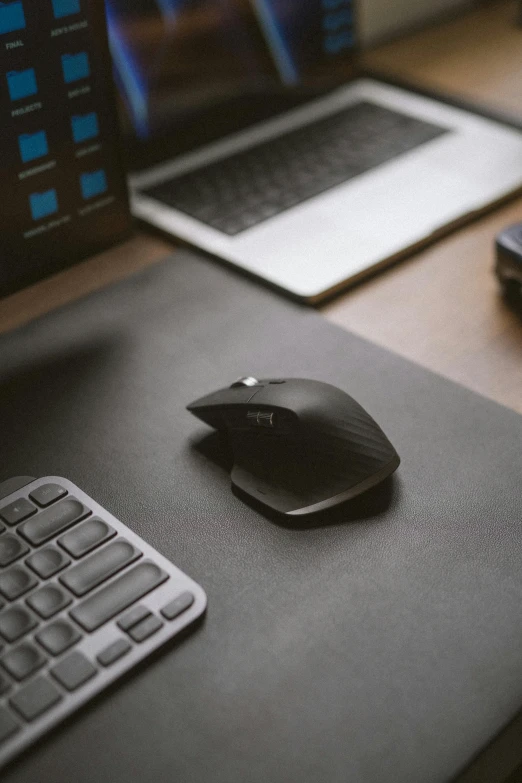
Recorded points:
(63, 188)
(178, 61)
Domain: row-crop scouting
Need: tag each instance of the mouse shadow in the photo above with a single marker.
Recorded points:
(369, 506)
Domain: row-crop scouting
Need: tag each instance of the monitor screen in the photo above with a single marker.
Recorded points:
(176, 61)
(63, 186)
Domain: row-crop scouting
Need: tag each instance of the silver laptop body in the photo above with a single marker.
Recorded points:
(354, 227)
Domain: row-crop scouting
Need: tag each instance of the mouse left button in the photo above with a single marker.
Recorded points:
(240, 395)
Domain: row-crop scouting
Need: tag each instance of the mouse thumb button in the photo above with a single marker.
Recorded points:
(261, 418)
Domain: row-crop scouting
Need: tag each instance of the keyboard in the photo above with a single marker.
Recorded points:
(83, 600)
(238, 192)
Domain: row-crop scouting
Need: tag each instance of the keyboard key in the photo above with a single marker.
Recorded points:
(47, 494)
(114, 652)
(86, 537)
(15, 622)
(73, 671)
(145, 629)
(16, 582)
(49, 600)
(8, 724)
(35, 698)
(47, 561)
(58, 636)
(53, 520)
(11, 548)
(133, 617)
(5, 684)
(23, 660)
(178, 605)
(17, 511)
(118, 595)
(98, 567)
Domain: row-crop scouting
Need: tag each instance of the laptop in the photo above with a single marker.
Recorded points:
(254, 140)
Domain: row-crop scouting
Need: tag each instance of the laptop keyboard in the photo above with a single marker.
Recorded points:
(249, 187)
(82, 600)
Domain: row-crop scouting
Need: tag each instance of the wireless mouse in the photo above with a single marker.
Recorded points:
(300, 446)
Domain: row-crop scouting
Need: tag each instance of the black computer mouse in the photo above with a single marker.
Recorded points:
(299, 446)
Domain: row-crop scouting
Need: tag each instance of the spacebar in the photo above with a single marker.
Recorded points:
(118, 595)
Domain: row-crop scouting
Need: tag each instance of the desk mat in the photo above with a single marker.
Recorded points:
(379, 642)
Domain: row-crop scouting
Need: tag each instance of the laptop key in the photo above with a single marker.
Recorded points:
(178, 605)
(15, 582)
(47, 562)
(11, 549)
(82, 578)
(47, 494)
(145, 629)
(133, 617)
(49, 600)
(15, 622)
(15, 512)
(35, 698)
(23, 660)
(86, 537)
(73, 671)
(58, 636)
(53, 520)
(114, 652)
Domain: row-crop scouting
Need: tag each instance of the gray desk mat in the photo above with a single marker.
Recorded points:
(379, 643)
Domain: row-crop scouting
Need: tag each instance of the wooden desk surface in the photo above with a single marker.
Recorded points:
(441, 307)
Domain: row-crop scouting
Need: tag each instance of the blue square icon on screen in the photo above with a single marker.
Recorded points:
(75, 67)
(338, 42)
(93, 183)
(84, 126)
(65, 8)
(33, 145)
(43, 204)
(11, 17)
(21, 84)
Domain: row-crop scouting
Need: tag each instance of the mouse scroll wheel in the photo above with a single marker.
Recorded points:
(249, 381)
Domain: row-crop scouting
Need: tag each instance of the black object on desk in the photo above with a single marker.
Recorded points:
(508, 265)
(300, 446)
(382, 643)
(64, 637)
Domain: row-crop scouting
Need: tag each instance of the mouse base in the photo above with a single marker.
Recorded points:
(260, 481)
